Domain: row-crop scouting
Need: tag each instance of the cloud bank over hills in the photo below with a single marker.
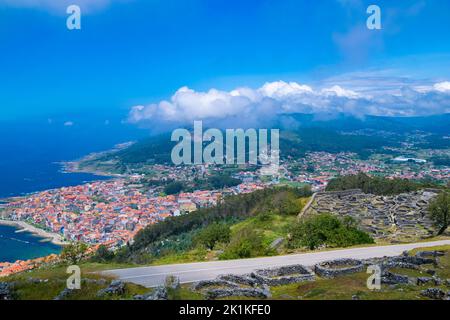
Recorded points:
(274, 98)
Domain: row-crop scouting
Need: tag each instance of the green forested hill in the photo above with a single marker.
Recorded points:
(376, 185)
(292, 143)
(308, 133)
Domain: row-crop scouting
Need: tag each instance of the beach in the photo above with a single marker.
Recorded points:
(25, 227)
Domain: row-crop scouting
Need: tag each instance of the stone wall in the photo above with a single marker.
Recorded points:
(402, 217)
(284, 275)
(340, 267)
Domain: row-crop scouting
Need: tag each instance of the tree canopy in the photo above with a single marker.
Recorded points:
(439, 210)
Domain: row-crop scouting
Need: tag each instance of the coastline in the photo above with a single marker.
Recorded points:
(25, 227)
(75, 165)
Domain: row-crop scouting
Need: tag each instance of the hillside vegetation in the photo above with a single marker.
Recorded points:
(376, 185)
(261, 223)
(182, 233)
(293, 143)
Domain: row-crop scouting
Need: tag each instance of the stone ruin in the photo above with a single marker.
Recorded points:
(159, 293)
(436, 294)
(283, 275)
(232, 286)
(116, 287)
(6, 291)
(403, 217)
(416, 262)
(255, 284)
(336, 268)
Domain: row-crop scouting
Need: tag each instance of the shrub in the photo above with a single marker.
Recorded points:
(74, 252)
(375, 185)
(439, 210)
(103, 254)
(246, 243)
(326, 229)
(212, 234)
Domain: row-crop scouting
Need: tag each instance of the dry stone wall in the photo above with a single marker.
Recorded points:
(398, 218)
(340, 267)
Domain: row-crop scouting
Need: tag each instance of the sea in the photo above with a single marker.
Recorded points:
(31, 152)
(23, 245)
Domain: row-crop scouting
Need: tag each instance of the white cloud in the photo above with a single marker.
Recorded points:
(442, 86)
(279, 89)
(68, 123)
(340, 92)
(250, 105)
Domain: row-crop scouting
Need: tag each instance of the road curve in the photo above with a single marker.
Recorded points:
(191, 272)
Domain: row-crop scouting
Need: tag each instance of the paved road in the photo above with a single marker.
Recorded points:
(191, 272)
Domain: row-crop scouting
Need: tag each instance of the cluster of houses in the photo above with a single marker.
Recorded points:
(10, 268)
(109, 212)
(318, 168)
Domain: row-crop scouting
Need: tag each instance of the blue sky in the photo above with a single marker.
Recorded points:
(139, 53)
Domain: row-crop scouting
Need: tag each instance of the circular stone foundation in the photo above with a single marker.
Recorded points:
(214, 284)
(340, 267)
(283, 275)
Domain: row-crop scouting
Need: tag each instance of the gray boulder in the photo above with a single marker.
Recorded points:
(261, 293)
(6, 291)
(172, 282)
(116, 287)
(431, 272)
(63, 294)
(424, 254)
(424, 280)
(276, 244)
(393, 278)
(160, 293)
(433, 293)
(239, 279)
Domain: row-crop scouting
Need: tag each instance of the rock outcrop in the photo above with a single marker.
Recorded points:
(6, 291)
(116, 287)
(434, 293)
(160, 293)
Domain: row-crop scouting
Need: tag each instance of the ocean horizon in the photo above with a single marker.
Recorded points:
(32, 155)
(35, 149)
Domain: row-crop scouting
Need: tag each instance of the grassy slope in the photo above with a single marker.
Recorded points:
(54, 281)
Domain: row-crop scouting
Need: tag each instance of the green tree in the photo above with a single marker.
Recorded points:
(74, 252)
(245, 243)
(376, 185)
(439, 210)
(328, 230)
(173, 188)
(223, 181)
(290, 206)
(213, 234)
(103, 254)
